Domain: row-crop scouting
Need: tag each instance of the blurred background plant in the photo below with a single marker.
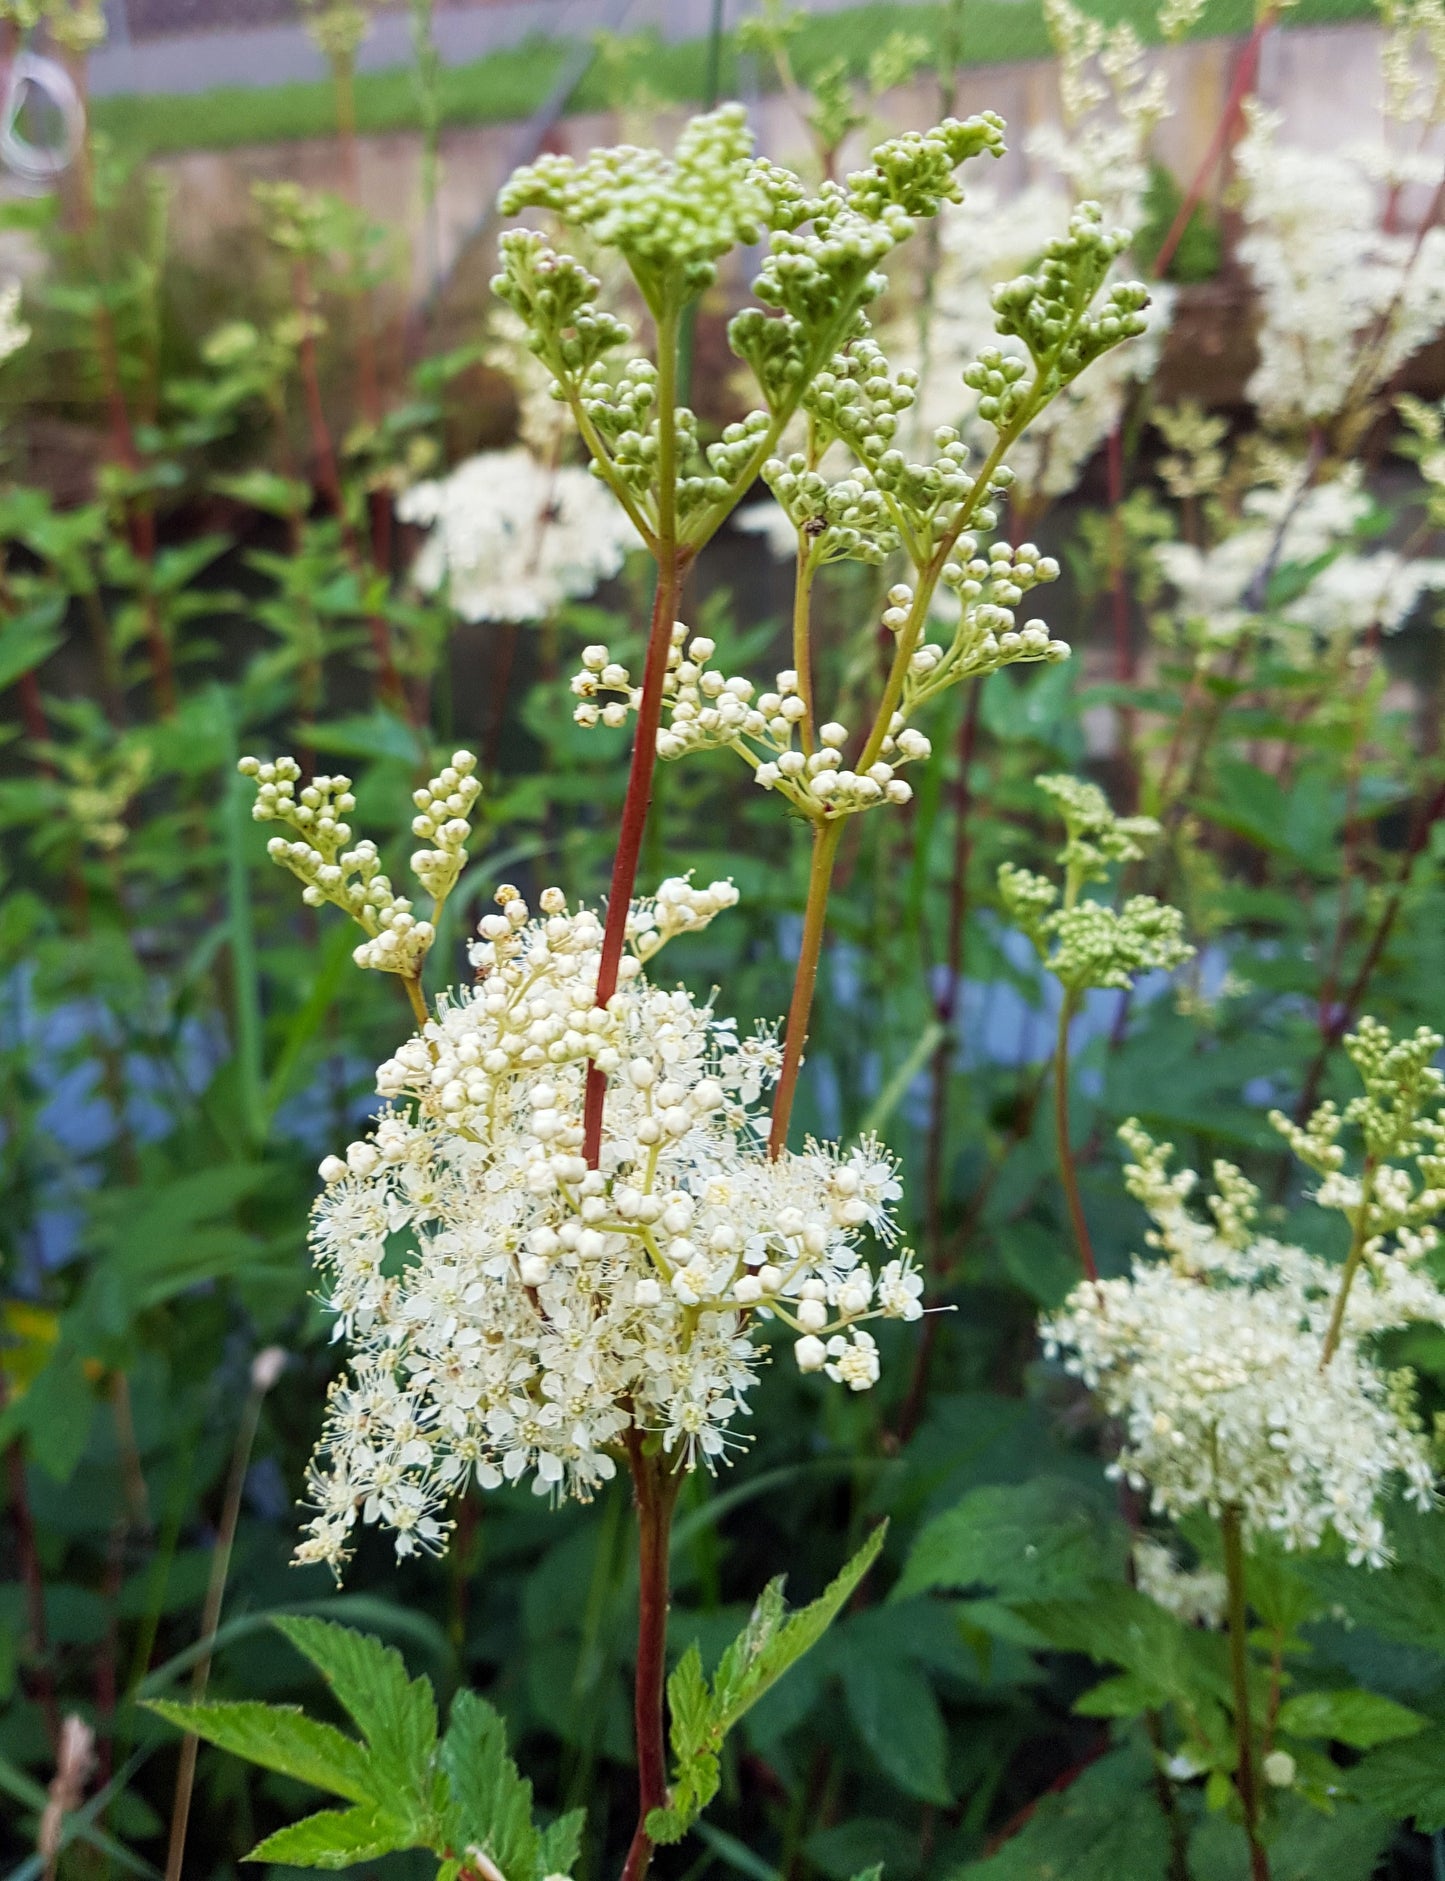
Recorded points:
(300, 506)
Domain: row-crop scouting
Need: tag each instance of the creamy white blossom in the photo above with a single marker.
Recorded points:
(511, 537)
(1211, 1359)
(511, 1312)
(1218, 590)
(1194, 1595)
(1344, 301)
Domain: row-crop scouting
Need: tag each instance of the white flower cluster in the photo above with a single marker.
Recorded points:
(1211, 1360)
(321, 856)
(1282, 525)
(513, 1312)
(1194, 1595)
(512, 538)
(1344, 300)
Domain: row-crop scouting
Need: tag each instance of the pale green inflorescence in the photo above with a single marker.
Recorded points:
(1088, 944)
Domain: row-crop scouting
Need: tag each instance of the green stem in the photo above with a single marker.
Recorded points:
(211, 1616)
(1352, 1262)
(1068, 1170)
(803, 644)
(1231, 1529)
(826, 837)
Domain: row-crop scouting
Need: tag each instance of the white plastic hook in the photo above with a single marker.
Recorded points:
(39, 164)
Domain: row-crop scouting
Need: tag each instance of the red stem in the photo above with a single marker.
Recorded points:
(635, 806)
(654, 1488)
(1244, 79)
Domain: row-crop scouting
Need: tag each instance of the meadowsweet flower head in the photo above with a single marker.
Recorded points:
(512, 538)
(1345, 301)
(511, 1312)
(1211, 1358)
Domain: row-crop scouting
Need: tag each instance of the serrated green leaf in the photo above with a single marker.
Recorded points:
(560, 1843)
(396, 1715)
(701, 1717)
(1038, 1539)
(1360, 1719)
(894, 1710)
(490, 1804)
(1106, 1826)
(280, 1738)
(1406, 1780)
(335, 1838)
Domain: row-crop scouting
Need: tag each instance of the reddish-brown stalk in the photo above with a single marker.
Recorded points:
(654, 1488)
(671, 570)
(1068, 1170)
(1245, 75)
(1245, 1776)
(1346, 1011)
(140, 514)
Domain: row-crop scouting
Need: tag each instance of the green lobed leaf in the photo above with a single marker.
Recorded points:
(1040, 1538)
(396, 1715)
(893, 1706)
(1360, 1719)
(701, 1717)
(489, 1803)
(1104, 1826)
(1406, 1779)
(280, 1738)
(335, 1838)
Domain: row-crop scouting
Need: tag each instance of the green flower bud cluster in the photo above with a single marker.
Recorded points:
(321, 855)
(1090, 944)
(1400, 1190)
(556, 298)
(1402, 1084)
(671, 219)
(843, 521)
(1097, 837)
(1051, 311)
(859, 400)
(915, 172)
(1087, 944)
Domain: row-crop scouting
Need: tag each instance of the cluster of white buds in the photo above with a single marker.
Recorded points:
(443, 806)
(706, 709)
(321, 855)
(545, 1306)
(676, 908)
(986, 636)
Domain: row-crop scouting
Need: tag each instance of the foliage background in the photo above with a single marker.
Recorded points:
(178, 1048)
